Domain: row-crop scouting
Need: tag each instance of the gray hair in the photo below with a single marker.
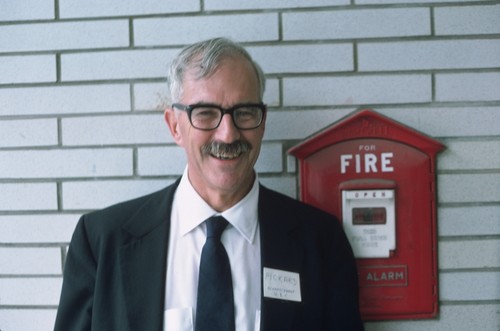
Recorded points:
(203, 59)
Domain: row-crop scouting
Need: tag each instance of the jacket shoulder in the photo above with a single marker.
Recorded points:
(275, 202)
(117, 215)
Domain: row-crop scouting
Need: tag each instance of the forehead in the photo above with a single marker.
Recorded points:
(233, 80)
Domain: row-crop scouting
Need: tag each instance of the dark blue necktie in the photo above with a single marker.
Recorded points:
(215, 306)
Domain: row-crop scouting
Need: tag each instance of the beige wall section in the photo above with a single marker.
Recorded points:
(81, 85)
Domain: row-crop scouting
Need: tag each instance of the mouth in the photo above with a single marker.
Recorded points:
(226, 152)
(225, 157)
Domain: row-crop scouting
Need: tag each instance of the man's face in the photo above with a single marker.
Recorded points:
(231, 176)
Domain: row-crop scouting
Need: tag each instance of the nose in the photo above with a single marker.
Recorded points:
(227, 131)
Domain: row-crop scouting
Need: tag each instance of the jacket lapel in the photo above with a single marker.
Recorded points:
(143, 258)
(280, 249)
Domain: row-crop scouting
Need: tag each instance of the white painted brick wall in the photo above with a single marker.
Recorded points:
(151, 96)
(37, 228)
(470, 155)
(24, 319)
(474, 285)
(467, 20)
(268, 4)
(85, 195)
(453, 317)
(304, 58)
(30, 261)
(28, 133)
(155, 161)
(64, 36)
(353, 24)
(29, 291)
(357, 90)
(400, 2)
(272, 95)
(66, 163)
(27, 10)
(115, 130)
(115, 65)
(471, 188)
(468, 86)
(82, 89)
(185, 30)
(98, 8)
(469, 254)
(426, 55)
(469, 221)
(28, 69)
(292, 125)
(468, 121)
(28, 196)
(64, 99)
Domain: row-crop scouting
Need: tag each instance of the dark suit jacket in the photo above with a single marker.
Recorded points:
(114, 277)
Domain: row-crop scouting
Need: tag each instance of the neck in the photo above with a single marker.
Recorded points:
(221, 200)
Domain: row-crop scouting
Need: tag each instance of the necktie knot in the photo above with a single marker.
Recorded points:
(215, 227)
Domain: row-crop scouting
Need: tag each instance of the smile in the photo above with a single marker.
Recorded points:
(226, 156)
(223, 151)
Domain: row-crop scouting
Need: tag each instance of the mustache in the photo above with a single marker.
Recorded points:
(218, 147)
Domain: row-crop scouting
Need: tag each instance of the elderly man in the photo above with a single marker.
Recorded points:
(216, 250)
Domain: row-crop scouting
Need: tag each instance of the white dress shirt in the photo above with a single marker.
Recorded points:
(241, 240)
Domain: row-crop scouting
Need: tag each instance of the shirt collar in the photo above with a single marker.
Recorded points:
(193, 210)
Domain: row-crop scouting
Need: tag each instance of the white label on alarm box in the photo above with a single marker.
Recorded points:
(369, 222)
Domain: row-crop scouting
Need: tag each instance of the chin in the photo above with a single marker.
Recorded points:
(231, 182)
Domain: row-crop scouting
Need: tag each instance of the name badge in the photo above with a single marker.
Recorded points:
(280, 284)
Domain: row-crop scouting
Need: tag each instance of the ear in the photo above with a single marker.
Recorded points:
(264, 121)
(172, 121)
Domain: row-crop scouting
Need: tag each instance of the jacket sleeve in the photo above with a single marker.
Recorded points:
(75, 306)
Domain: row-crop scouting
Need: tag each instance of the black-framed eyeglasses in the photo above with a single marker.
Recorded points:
(246, 116)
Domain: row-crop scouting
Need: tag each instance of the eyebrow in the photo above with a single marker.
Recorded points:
(208, 103)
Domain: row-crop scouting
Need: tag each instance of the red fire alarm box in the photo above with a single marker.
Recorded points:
(378, 176)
